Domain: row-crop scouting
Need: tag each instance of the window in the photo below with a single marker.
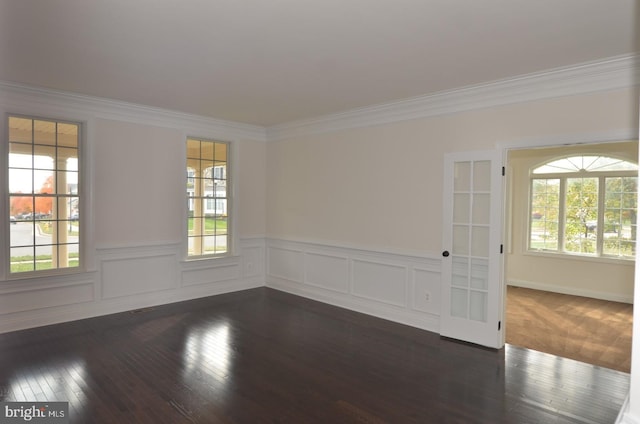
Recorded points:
(207, 198)
(584, 205)
(44, 196)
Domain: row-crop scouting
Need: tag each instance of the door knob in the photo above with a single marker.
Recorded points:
(445, 253)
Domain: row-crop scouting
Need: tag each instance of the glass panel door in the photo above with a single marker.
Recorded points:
(471, 256)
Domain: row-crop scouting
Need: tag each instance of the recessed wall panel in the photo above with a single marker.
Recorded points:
(47, 298)
(382, 282)
(124, 277)
(329, 272)
(210, 275)
(286, 264)
(426, 291)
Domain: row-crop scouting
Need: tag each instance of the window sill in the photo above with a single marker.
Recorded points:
(581, 258)
(38, 275)
(207, 261)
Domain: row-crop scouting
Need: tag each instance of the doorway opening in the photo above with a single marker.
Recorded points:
(568, 292)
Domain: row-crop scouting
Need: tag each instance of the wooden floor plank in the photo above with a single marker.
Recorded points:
(595, 331)
(266, 356)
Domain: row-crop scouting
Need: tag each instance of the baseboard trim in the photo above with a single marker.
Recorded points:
(624, 417)
(57, 315)
(421, 320)
(613, 297)
(403, 288)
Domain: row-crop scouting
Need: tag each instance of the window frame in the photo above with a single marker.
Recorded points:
(229, 178)
(563, 178)
(82, 181)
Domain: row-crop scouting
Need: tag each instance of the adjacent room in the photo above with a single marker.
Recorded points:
(317, 212)
(570, 286)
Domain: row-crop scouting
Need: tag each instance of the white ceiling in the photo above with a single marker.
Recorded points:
(267, 62)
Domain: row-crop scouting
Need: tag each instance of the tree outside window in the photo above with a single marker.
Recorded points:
(584, 205)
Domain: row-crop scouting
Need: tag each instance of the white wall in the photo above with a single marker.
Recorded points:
(376, 191)
(136, 212)
(601, 278)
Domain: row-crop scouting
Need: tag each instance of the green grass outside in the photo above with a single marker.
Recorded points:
(212, 225)
(27, 266)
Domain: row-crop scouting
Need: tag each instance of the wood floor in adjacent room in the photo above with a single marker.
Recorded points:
(589, 330)
(263, 356)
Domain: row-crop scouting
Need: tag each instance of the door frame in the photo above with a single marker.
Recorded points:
(612, 136)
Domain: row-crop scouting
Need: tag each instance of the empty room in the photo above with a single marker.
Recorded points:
(309, 212)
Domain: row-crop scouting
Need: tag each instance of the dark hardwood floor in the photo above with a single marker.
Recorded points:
(263, 356)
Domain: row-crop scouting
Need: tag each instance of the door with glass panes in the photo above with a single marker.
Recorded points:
(472, 288)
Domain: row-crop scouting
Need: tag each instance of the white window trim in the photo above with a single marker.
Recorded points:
(563, 176)
(85, 188)
(233, 240)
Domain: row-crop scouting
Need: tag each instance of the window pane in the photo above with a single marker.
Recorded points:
(207, 150)
(585, 163)
(462, 176)
(581, 222)
(461, 208)
(20, 180)
(193, 149)
(44, 132)
(43, 157)
(206, 197)
(478, 305)
(21, 207)
(480, 241)
(544, 214)
(221, 243)
(43, 181)
(67, 135)
(620, 216)
(482, 175)
(20, 130)
(460, 240)
(481, 208)
(22, 259)
(67, 153)
(43, 237)
(460, 271)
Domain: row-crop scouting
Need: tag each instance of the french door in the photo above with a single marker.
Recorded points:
(472, 287)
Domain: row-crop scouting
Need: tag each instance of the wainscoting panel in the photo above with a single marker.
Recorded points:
(287, 264)
(327, 272)
(59, 295)
(253, 259)
(426, 285)
(129, 276)
(400, 287)
(211, 274)
(381, 282)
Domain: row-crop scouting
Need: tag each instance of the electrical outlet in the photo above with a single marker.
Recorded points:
(427, 296)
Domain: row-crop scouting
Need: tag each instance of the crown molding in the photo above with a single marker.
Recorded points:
(36, 100)
(609, 74)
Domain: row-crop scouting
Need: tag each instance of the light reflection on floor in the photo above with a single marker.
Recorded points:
(543, 372)
(208, 354)
(66, 383)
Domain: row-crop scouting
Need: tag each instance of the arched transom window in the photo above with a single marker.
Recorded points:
(584, 205)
